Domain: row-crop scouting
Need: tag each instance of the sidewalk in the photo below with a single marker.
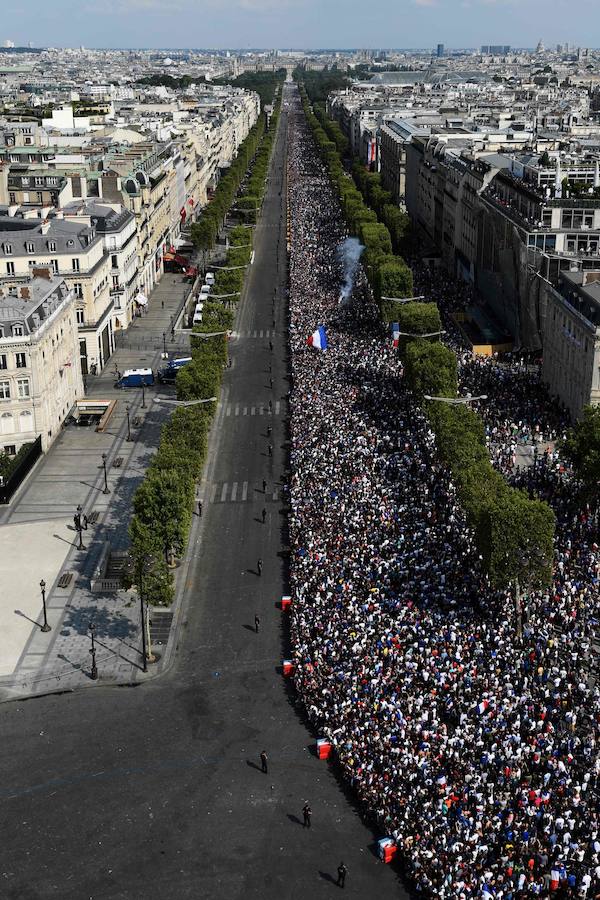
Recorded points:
(38, 539)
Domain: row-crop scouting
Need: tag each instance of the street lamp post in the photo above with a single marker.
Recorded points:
(143, 393)
(94, 670)
(45, 626)
(143, 618)
(456, 401)
(428, 335)
(128, 422)
(184, 402)
(165, 343)
(106, 490)
(79, 525)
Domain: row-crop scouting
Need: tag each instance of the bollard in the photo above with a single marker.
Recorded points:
(386, 849)
(324, 748)
(287, 667)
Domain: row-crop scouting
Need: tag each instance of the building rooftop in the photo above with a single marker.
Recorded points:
(31, 305)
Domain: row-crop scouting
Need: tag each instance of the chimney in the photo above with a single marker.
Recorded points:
(42, 272)
(25, 295)
(45, 226)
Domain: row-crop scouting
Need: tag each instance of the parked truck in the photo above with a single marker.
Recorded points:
(136, 378)
(168, 373)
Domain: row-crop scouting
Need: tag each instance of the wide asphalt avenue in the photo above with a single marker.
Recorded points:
(155, 791)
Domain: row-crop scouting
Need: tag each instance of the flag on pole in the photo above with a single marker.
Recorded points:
(318, 339)
(395, 327)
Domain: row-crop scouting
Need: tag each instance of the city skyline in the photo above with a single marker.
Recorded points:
(297, 24)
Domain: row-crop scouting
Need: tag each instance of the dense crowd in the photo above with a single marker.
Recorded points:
(476, 751)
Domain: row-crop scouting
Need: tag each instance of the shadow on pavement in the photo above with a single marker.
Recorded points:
(327, 877)
(108, 624)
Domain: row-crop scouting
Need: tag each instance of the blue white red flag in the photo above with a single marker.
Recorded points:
(395, 327)
(318, 339)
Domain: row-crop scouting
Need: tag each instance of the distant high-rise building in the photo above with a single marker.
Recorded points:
(495, 49)
(440, 50)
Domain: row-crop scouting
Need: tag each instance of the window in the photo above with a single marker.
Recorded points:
(23, 388)
(39, 181)
(21, 360)
(114, 261)
(3, 362)
(78, 288)
(4, 390)
(12, 197)
(8, 248)
(10, 268)
(40, 197)
(30, 247)
(80, 313)
(75, 264)
(52, 246)
(17, 331)
(10, 449)
(55, 266)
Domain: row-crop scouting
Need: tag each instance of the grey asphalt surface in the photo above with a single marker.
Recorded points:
(156, 791)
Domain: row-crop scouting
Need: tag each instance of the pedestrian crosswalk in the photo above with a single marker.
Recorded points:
(257, 333)
(240, 492)
(261, 409)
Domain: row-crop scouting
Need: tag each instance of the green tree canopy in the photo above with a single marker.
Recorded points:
(582, 449)
(430, 369)
(516, 539)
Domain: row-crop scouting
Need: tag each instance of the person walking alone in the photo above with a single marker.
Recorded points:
(259, 565)
(270, 449)
(342, 872)
(264, 515)
(264, 759)
(256, 624)
(306, 814)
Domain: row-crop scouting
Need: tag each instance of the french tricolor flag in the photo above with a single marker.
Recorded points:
(483, 706)
(395, 328)
(318, 339)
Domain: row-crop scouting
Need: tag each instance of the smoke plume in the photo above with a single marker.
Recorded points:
(349, 252)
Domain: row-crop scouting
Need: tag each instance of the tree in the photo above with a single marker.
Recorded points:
(516, 540)
(204, 235)
(430, 369)
(418, 318)
(393, 278)
(582, 449)
(146, 567)
(163, 501)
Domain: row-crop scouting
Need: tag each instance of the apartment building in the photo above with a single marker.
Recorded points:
(75, 251)
(40, 377)
(117, 227)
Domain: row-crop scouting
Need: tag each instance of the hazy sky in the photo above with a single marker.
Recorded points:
(299, 23)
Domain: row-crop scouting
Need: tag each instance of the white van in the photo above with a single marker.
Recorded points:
(209, 278)
(198, 313)
(205, 289)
